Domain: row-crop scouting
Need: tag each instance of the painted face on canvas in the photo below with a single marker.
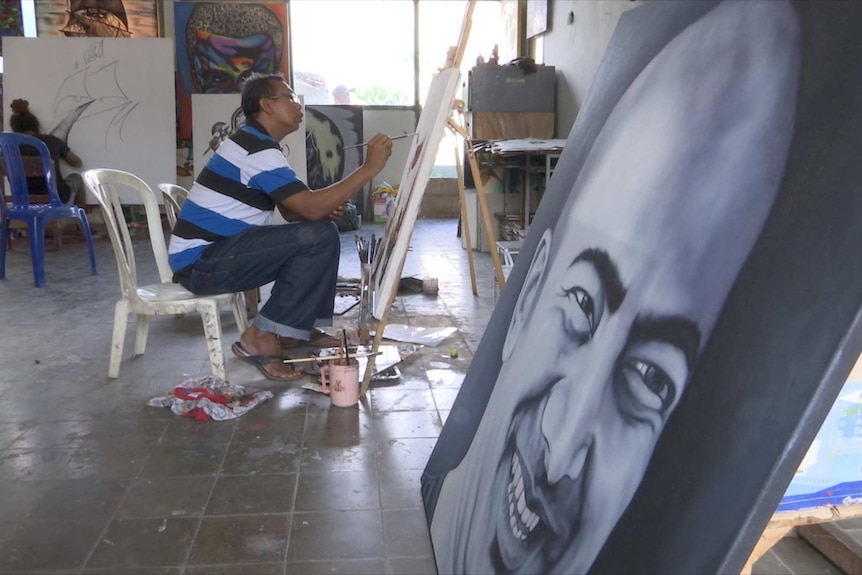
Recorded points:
(220, 64)
(620, 332)
(622, 294)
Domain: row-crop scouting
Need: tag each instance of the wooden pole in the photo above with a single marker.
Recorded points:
(482, 203)
(465, 217)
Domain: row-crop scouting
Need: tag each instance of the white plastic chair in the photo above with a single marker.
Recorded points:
(154, 299)
(174, 196)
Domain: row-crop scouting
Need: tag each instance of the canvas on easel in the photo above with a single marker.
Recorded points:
(387, 265)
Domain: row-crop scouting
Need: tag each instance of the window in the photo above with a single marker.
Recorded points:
(439, 27)
(353, 52)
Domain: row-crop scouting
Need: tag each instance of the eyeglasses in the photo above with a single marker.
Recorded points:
(290, 97)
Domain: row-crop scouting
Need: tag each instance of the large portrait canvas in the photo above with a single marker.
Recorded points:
(639, 381)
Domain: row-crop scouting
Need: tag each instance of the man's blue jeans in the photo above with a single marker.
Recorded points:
(301, 258)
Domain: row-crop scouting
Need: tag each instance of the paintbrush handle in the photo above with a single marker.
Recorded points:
(391, 138)
(328, 357)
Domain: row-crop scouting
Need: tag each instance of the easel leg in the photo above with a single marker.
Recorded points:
(465, 218)
(486, 218)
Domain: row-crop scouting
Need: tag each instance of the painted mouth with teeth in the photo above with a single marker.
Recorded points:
(522, 519)
(538, 521)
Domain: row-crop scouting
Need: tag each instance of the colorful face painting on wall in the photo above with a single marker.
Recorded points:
(219, 45)
(97, 18)
(10, 20)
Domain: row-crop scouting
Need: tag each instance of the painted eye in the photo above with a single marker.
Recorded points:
(653, 378)
(214, 78)
(648, 379)
(583, 300)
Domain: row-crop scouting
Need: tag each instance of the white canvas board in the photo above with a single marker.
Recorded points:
(388, 261)
(216, 116)
(112, 99)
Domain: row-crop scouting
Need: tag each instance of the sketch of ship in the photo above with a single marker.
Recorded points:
(99, 18)
(93, 93)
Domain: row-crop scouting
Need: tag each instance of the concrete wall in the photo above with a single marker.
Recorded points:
(575, 44)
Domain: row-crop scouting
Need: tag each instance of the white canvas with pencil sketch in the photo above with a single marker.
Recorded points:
(110, 99)
(387, 264)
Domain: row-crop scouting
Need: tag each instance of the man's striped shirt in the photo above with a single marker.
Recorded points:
(238, 188)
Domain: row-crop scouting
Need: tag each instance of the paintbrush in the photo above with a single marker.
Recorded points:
(327, 357)
(391, 138)
(346, 349)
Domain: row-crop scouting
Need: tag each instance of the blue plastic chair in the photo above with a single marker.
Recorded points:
(36, 216)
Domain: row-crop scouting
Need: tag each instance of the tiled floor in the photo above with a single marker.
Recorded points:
(94, 481)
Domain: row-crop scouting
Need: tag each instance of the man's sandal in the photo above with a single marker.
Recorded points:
(262, 361)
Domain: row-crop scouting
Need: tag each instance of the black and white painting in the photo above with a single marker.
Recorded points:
(650, 371)
(332, 135)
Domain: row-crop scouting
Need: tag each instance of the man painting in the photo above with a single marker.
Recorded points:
(621, 297)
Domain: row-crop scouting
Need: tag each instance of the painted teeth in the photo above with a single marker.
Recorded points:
(518, 502)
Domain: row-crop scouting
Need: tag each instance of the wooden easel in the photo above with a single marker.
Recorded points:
(460, 127)
(453, 60)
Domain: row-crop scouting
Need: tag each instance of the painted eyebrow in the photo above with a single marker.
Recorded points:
(678, 331)
(609, 275)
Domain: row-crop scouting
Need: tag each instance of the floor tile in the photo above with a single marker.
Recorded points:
(327, 458)
(174, 497)
(145, 543)
(75, 498)
(347, 567)
(336, 535)
(400, 424)
(401, 488)
(255, 459)
(177, 460)
(338, 491)
(397, 399)
(244, 494)
(404, 453)
(405, 533)
(49, 544)
(237, 569)
(19, 498)
(31, 464)
(241, 539)
(413, 566)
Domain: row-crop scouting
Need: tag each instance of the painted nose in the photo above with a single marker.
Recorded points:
(571, 415)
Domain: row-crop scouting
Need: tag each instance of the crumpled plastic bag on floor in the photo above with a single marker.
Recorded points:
(208, 397)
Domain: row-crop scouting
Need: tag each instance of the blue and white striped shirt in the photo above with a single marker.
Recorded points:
(238, 188)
